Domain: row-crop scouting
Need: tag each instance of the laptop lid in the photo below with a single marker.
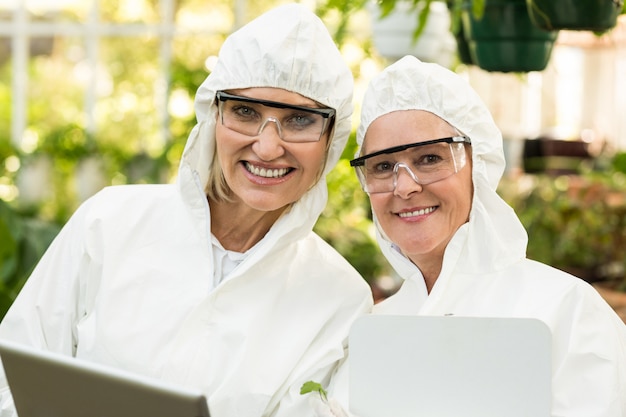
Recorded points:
(47, 384)
(408, 366)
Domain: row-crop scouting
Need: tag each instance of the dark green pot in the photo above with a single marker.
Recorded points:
(462, 47)
(594, 15)
(505, 40)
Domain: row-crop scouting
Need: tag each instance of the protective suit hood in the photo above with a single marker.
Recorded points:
(493, 237)
(299, 56)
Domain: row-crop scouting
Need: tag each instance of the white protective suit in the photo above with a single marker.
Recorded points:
(128, 281)
(485, 271)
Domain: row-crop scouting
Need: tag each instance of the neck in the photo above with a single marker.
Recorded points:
(430, 267)
(430, 279)
(239, 227)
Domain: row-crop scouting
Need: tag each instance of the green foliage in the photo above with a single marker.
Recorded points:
(69, 142)
(618, 162)
(5, 103)
(79, 165)
(456, 7)
(575, 223)
(187, 77)
(24, 240)
(346, 223)
(344, 9)
(421, 7)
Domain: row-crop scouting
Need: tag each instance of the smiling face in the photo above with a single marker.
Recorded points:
(420, 219)
(265, 172)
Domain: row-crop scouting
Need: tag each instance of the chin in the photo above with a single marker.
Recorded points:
(266, 204)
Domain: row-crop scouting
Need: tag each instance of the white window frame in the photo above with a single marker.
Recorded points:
(20, 28)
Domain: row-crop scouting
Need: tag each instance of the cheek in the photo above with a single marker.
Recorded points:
(467, 207)
(313, 157)
(378, 203)
(466, 197)
(227, 142)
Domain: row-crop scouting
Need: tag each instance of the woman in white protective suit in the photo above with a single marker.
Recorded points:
(430, 160)
(218, 282)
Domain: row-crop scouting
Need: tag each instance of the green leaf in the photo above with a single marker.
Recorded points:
(312, 386)
(478, 8)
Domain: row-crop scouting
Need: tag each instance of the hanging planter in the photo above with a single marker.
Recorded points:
(505, 40)
(462, 46)
(458, 31)
(593, 15)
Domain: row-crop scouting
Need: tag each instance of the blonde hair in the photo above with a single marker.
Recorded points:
(216, 187)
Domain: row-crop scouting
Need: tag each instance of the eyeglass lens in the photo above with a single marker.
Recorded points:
(428, 164)
(292, 124)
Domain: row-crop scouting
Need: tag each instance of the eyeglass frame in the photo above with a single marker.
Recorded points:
(360, 161)
(326, 113)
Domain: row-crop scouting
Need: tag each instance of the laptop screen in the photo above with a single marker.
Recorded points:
(47, 384)
(409, 366)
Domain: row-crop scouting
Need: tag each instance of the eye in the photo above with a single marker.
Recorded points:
(244, 112)
(429, 159)
(381, 167)
(300, 121)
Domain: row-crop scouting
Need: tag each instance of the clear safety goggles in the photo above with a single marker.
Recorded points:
(249, 116)
(425, 162)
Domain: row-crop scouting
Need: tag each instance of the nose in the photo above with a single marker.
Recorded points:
(269, 145)
(405, 181)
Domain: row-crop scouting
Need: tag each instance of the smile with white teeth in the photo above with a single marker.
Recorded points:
(417, 212)
(266, 172)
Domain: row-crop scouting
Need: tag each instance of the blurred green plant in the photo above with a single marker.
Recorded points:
(69, 165)
(24, 240)
(346, 223)
(576, 223)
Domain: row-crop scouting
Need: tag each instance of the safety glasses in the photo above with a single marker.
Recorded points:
(249, 116)
(425, 162)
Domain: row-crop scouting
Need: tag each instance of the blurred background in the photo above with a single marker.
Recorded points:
(100, 92)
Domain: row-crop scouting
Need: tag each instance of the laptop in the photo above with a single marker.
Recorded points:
(47, 384)
(411, 366)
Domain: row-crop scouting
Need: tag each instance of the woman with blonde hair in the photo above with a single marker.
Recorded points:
(218, 282)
